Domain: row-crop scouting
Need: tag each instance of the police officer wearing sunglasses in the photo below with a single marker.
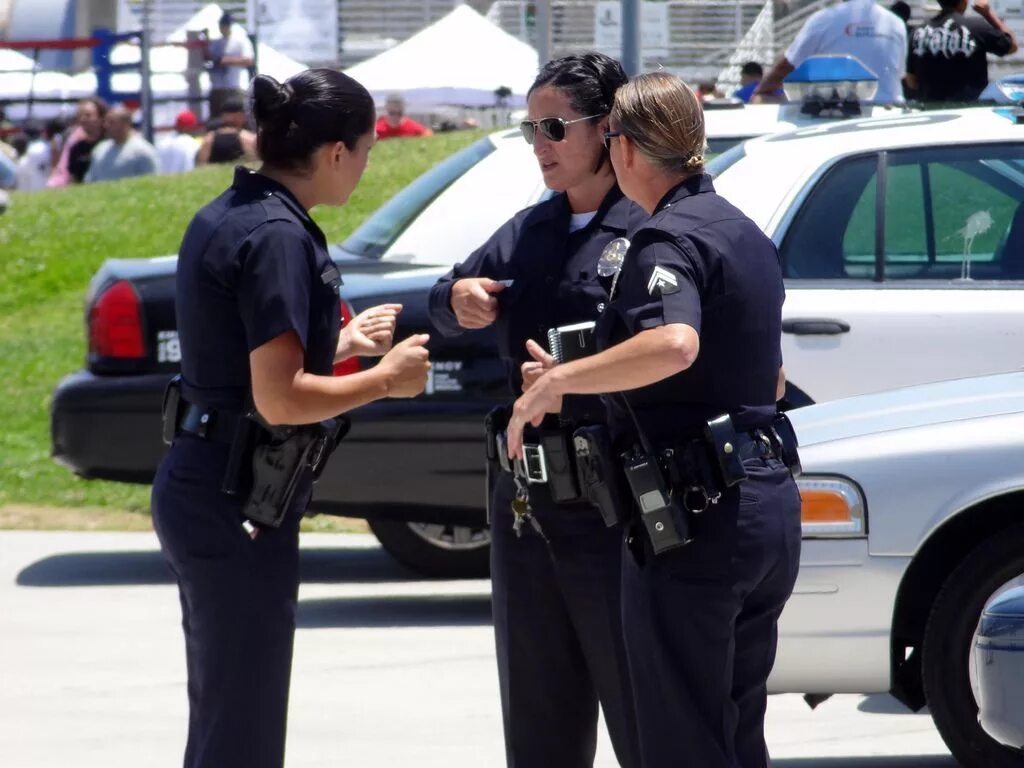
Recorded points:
(691, 348)
(555, 564)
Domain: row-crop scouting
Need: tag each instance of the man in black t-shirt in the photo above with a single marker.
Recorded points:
(948, 55)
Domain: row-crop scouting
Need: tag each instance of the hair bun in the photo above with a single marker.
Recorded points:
(271, 100)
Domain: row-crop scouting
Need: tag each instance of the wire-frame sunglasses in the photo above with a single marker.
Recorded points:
(553, 128)
(607, 138)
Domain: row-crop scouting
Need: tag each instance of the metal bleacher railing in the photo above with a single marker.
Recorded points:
(701, 35)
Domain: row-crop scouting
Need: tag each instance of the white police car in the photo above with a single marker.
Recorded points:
(901, 233)
(913, 541)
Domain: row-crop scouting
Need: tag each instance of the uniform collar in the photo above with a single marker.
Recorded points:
(256, 184)
(250, 182)
(692, 185)
(613, 213)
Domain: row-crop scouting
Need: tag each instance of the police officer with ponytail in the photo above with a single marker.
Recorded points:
(258, 320)
(690, 362)
(554, 559)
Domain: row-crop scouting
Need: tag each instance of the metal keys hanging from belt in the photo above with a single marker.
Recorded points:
(521, 510)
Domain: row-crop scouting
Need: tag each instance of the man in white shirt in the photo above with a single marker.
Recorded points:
(124, 153)
(177, 150)
(34, 165)
(860, 28)
(229, 57)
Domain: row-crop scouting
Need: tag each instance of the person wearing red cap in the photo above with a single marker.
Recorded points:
(177, 150)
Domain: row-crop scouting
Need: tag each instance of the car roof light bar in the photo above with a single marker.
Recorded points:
(831, 86)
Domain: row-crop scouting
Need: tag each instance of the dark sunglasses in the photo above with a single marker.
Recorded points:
(553, 128)
(608, 136)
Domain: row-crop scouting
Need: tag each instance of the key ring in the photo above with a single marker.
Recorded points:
(705, 498)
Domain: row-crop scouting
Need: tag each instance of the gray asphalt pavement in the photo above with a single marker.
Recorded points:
(389, 670)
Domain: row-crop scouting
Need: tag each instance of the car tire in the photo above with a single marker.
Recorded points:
(948, 645)
(440, 551)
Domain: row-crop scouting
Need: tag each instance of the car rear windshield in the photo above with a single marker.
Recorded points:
(378, 232)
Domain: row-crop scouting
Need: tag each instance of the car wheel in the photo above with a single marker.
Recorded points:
(436, 549)
(947, 654)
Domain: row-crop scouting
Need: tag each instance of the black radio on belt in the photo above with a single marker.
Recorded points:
(571, 342)
(662, 514)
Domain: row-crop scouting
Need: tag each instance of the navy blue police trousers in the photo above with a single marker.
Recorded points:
(701, 624)
(557, 624)
(238, 599)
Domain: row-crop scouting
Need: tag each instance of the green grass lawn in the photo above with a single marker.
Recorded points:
(51, 243)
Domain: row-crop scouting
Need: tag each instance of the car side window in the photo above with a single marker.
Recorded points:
(949, 213)
(832, 236)
(976, 197)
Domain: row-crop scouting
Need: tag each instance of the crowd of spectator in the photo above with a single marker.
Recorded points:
(943, 60)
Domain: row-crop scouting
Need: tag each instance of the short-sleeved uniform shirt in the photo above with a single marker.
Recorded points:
(699, 261)
(948, 55)
(253, 265)
(865, 30)
(555, 281)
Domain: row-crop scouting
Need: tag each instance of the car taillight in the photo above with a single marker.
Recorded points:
(351, 365)
(115, 323)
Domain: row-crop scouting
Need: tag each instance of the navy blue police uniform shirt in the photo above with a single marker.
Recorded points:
(253, 265)
(555, 281)
(699, 261)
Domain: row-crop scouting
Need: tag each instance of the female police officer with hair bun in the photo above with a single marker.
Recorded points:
(258, 320)
(691, 346)
(555, 585)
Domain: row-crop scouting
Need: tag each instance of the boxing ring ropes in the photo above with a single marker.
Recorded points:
(108, 61)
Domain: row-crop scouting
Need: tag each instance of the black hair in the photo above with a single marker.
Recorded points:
(948, 5)
(902, 10)
(102, 107)
(232, 104)
(32, 129)
(752, 68)
(56, 126)
(589, 79)
(315, 107)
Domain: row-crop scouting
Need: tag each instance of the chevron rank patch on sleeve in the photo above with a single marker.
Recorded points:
(662, 282)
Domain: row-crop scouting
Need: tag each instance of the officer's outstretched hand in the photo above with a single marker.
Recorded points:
(406, 366)
(368, 334)
(535, 368)
(530, 408)
(473, 301)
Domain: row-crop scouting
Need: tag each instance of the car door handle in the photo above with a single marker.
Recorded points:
(815, 327)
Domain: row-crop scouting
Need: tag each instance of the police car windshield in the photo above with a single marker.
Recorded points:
(378, 232)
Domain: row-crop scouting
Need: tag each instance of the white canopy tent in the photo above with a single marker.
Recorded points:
(20, 75)
(16, 86)
(12, 61)
(461, 59)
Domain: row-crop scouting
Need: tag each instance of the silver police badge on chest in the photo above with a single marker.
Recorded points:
(610, 263)
(612, 257)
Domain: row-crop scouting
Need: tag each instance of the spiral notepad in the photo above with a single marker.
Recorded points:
(571, 342)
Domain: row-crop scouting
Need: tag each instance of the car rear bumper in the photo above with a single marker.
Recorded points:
(419, 460)
(108, 427)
